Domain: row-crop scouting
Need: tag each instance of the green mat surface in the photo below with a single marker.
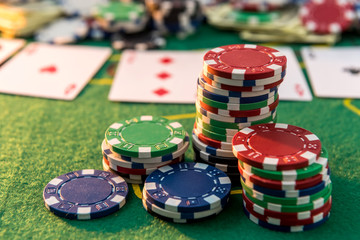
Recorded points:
(41, 139)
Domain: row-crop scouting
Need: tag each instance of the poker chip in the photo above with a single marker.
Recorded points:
(172, 188)
(211, 80)
(237, 126)
(140, 41)
(285, 185)
(296, 228)
(291, 208)
(145, 136)
(212, 142)
(121, 16)
(327, 16)
(178, 215)
(245, 83)
(136, 147)
(85, 194)
(214, 159)
(259, 5)
(131, 162)
(178, 17)
(258, 210)
(284, 201)
(241, 113)
(244, 61)
(320, 164)
(63, 31)
(276, 146)
(206, 148)
(288, 193)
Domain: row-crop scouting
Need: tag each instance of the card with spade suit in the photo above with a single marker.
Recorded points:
(157, 76)
(50, 71)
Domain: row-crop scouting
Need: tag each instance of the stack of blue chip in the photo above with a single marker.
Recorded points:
(186, 192)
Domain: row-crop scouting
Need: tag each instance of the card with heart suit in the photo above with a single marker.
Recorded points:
(157, 76)
(50, 71)
(333, 72)
(8, 47)
(294, 87)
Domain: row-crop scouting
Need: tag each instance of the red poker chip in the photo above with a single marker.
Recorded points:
(282, 185)
(276, 146)
(211, 142)
(285, 215)
(258, 6)
(286, 221)
(234, 113)
(139, 171)
(327, 16)
(240, 89)
(244, 61)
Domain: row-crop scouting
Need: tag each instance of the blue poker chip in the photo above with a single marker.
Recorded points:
(300, 228)
(178, 215)
(235, 100)
(85, 194)
(290, 193)
(173, 187)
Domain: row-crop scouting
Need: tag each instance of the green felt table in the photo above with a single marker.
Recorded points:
(41, 139)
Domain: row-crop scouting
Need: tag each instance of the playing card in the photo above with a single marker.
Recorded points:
(50, 71)
(294, 87)
(157, 76)
(333, 72)
(8, 47)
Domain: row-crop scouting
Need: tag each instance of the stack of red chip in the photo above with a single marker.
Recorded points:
(237, 88)
(285, 177)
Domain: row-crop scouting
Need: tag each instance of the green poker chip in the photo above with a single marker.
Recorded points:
(316, 203)
(238, 107)
(284, 201)
(253, 17)
(230, 125)
(145, 137)
(297, 174)
(120, 11)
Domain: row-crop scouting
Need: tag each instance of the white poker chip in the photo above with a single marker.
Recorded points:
(63, 31)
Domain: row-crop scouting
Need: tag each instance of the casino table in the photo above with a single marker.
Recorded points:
(41, 139)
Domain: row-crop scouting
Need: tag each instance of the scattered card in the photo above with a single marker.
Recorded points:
(294, 87)
(333, 72)
(51, 71)
(8, 47)
(157, 76)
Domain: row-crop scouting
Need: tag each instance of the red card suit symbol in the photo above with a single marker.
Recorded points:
(70, 88)
(163, 75)
(166, 60)
(161, 92)
(299, 89)
(48, 69)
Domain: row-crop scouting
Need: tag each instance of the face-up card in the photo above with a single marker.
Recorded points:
(50, 71)
(8, 47)
(294, 87)
(157, 76)
(333, 72)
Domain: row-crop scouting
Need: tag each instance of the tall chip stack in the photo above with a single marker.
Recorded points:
(285, 177)
(136, 147)
(237, 88)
